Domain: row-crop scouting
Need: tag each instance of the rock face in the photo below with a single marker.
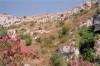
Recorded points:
(96, 23)
(69, 51)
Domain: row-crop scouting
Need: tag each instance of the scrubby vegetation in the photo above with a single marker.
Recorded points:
(98, 11)
(57, 60)
(3, 31)
(27, 38)
(47, 40)
(86, 40)
(63, 33)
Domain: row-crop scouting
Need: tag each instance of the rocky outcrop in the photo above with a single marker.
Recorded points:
(69, 51)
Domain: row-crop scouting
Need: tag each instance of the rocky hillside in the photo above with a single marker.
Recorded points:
(64, 42)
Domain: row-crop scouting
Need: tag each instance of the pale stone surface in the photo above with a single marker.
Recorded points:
(69, 51)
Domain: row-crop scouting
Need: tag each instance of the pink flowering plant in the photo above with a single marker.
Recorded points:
(12, 50)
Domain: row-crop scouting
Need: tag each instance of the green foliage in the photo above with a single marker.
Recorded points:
(3, 44)
(87, 54)
(98, 11)
(57, 60)
(82, 11)
(27, 38)
(86, 42)
(63, 34)
(48, 42)
(3, 31)
(28, 41)
(85, 36)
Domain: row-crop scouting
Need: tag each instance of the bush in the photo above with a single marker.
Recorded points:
(3, 31)
(82, 11)
(57, 60)
(98, 11)
(28, 41)
(87, 54)
(86, 42)
(27, 38)
(86, 36)
(4, 44)
(63, 32)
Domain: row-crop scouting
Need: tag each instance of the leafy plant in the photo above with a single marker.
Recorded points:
(86, 42)
(3, 31)
(63, 34)
(98, 11)
(27, 38)
(57, 60)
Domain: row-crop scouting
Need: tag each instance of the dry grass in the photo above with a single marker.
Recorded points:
(45, 52)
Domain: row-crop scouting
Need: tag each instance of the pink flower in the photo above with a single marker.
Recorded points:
(24, 50)
(5, 38)
(15, 48)
(1, 40)
(9, 41)
(10, 33)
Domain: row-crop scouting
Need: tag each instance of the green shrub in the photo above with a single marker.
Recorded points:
(82, 11)
(86, 42)
(27, 38)
(98, 11)
(28, 41)
(63, 32)
(3, 44)
(87, 54)
(57, 60)
(85, 36)
(3, 31)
